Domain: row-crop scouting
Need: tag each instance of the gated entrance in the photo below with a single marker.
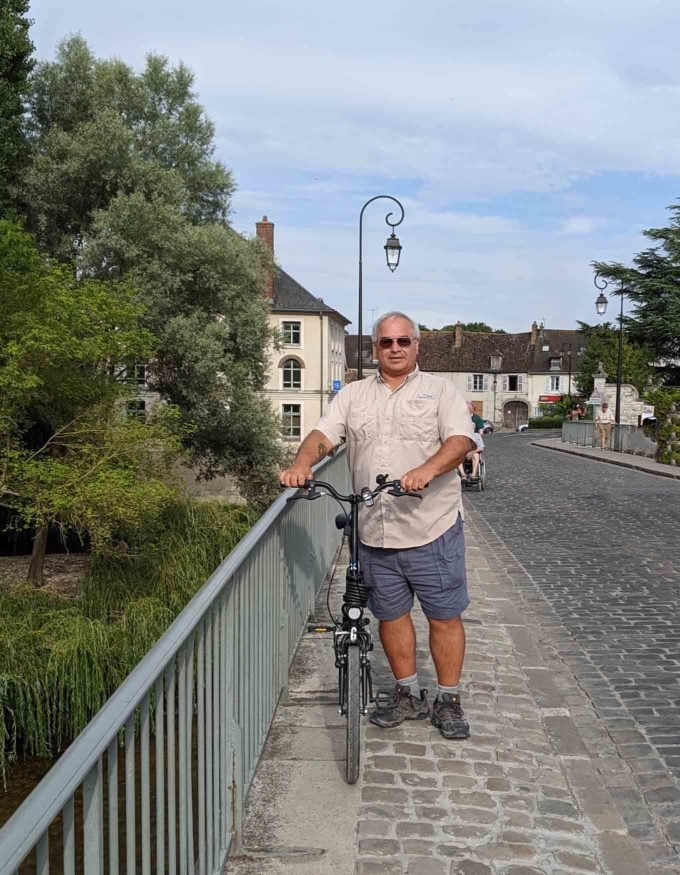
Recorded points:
(515, 413)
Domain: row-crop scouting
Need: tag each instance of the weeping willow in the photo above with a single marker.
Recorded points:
(61, 658)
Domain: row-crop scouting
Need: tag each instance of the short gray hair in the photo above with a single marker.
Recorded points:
(394, 314)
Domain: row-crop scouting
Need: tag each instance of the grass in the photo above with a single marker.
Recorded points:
(60, 658)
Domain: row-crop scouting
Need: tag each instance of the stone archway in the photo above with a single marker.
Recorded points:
(515, 413)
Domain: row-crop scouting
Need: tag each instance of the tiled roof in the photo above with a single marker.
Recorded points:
(291, 297)
(438, 352)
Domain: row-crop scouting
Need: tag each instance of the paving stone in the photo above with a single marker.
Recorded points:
(577, 861)
(372, 777)
(384, 794)
(417, 846)
(558, 807)
(501, 852)
(413, 750)
(374, 828)
(427, 866)
(379, 847)
(471, 867)
(379, 867)
(409, 829)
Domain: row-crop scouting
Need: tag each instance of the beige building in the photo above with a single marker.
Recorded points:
(308, 368)
(506, 376)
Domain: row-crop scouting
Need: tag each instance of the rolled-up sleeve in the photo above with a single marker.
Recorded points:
(453, 415)
(334, 421)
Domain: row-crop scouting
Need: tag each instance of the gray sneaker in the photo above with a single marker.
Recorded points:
(394, 706)
(447, 716)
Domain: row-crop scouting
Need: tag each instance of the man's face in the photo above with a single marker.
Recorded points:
(394, 359)
(605, 406)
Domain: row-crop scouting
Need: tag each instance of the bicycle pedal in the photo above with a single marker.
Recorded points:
(318, 627)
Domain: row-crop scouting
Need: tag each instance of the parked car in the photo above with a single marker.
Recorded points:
(488, 426)
(523, 426)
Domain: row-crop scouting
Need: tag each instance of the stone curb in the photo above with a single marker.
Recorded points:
(622, 463)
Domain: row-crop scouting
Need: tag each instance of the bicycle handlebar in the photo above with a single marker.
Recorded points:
(366, 495)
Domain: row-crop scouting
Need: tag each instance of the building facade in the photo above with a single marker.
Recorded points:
(308, 367)
(507, 377)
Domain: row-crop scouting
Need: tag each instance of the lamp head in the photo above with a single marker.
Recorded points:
(393, 251)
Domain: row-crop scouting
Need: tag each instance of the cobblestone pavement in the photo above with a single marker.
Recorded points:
(540, 787)
(570, 684)
(601, 548)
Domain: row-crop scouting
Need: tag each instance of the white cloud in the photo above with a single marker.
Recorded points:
(579, 225)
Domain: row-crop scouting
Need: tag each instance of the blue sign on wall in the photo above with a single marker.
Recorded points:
(337, 385)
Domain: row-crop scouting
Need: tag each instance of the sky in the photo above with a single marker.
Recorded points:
(524, 138)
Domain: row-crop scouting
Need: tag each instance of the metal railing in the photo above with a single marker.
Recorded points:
(624, 438)
(157, 780)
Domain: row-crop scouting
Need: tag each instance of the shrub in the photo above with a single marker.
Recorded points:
(546, 422)
(61, 658)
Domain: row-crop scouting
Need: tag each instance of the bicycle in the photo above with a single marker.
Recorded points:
(351, 636)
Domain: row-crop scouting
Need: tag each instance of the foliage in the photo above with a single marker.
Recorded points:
(546, 421)
(602, 345)
(467, 326)
(653, 286)
(16, 63)
(124, 184)
(60, 659)
(68, 454)
(666, 403)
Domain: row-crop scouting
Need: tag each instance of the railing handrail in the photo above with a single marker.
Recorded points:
(47, 799)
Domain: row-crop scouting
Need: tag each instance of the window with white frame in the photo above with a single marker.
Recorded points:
(291, 332)
(292, 374)
(555, 363)
(513, 383)
(477, 383)
(554, 384)
(291, 420)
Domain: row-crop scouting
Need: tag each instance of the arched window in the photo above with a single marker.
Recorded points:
(292, 374)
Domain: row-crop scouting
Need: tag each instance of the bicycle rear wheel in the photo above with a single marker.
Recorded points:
(353, 705)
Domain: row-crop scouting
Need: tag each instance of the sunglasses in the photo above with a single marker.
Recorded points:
(386, 342)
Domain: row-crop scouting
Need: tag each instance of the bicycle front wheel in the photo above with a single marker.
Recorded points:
(353, 705)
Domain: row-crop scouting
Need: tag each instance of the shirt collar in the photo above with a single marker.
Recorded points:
(414, 373)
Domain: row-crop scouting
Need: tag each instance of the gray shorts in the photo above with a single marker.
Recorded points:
(435, 572)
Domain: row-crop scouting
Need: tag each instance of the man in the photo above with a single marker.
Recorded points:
(414, 427)
(604, 420)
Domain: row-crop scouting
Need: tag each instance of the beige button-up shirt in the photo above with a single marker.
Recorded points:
(390, 432)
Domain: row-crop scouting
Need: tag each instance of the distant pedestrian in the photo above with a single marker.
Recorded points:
(604, 420)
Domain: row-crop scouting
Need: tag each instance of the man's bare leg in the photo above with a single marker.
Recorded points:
(399, 642)
(475, 465)
(447, 645)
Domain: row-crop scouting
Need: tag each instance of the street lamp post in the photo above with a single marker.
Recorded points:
(601, 307)
(392, 254)
(496, 364)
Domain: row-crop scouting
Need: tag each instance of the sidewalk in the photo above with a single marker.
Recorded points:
(528, 793)
(625, 460)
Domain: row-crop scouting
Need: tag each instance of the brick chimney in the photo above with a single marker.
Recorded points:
(265, 231)
(534, 333)
(458, 335)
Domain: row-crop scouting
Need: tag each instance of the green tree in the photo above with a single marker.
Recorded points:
(16, 63)
(475, 326)
(653, 285)
(124, 184)
(602, 345)
(68, 454)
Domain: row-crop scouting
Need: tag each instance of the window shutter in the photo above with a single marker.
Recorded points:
(547, 384)
(520, 383)
(485, 384)
(505, 384)
(469, 382)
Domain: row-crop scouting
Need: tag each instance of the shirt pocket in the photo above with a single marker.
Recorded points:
(418, 421)
(362, 421)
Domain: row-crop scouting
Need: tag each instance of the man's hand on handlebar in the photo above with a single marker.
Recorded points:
(416, 479)
(295, 476)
